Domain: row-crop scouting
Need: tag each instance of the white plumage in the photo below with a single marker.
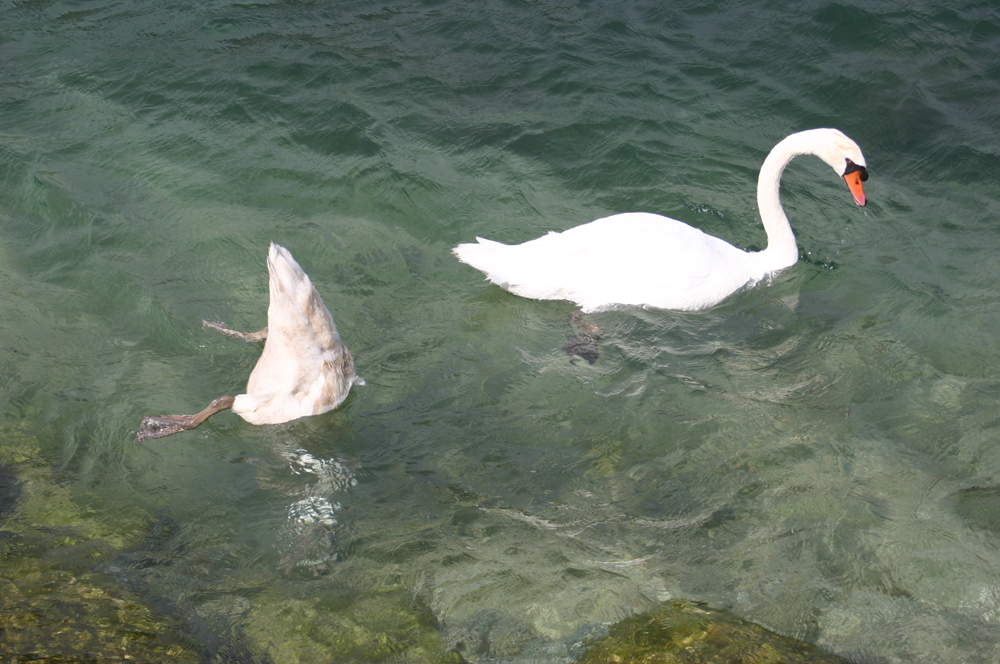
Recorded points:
(304, 369)
(644, 259)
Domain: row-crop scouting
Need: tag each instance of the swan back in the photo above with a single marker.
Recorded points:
(634, 258)
(304, 369)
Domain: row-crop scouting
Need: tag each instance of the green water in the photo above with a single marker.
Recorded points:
(818, 454)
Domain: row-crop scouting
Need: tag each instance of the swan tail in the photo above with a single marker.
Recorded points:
(527, 270)
(295, 304)
(289, 282)
(487, 256)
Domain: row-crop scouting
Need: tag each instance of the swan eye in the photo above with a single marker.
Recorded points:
(854, 168)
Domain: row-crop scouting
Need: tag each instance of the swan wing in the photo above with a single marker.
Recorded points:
(625, 259)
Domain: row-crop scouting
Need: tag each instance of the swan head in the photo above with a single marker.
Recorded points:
(844, 156)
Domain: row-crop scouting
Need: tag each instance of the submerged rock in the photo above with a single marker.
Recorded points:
(978, 506)
(380, 625)
(10, 490)
(61, 617)
(683, 632)
(53, 607)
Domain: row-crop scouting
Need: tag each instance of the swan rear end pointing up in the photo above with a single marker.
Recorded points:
(644, 259)
(304, 369)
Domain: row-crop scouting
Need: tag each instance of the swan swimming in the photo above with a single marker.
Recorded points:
(304, 369)
(644, 259)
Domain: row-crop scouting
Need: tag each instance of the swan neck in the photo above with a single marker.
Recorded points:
(782, 250)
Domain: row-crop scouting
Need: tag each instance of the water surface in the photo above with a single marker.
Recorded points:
(818, 454)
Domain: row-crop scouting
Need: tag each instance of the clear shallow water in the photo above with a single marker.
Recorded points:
(820, 453)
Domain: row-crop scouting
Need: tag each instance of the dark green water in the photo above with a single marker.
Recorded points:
(820, 454)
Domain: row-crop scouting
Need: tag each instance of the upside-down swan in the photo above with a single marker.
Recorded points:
(638, 258)
(303, 370)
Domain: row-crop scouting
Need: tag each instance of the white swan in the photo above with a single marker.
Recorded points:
(645, 259)
(304, 369)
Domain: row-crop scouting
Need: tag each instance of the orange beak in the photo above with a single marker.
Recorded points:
(853, 181)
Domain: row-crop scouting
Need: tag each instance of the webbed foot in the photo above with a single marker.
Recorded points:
(160, 426)
(585, 343)
(249, 337)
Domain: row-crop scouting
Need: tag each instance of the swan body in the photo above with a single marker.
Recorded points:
(304, 369)
(644, 259)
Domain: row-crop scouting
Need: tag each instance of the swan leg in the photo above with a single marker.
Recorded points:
(584, 344)
(160, 426)
(249, 337)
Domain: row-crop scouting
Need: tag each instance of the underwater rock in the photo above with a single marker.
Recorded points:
(56, 616)
(380, 625)
(978, 506)
(492, 636)
(10, 490)
(684, 632)
(53, 607)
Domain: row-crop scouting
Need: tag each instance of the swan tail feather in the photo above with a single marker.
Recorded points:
(487, 256)
(295, 302)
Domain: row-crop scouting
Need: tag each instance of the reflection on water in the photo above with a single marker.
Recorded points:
(312, 520)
